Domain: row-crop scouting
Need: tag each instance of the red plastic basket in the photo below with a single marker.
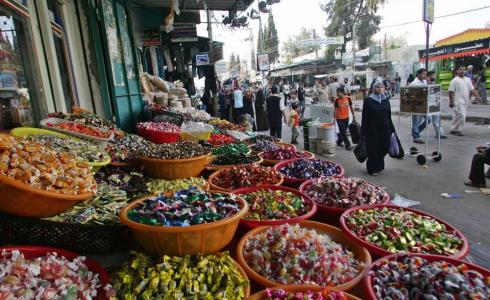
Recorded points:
(256, 223)
(367, 280)
(37, 251)
(296, 182)
(159, 137)
(379, 252)
(331, 215)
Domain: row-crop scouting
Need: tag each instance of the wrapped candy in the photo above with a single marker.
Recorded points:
(310, 168)
(159, 127)
(224, 125)
(246, 176)
(283, 154)
(126, 148)
(262, 137)
(291, 254)
(235, 159)
(412, 277)
(179, 150)
(81, 128)
(87, 119)
(231, 149)
(133, 183)
(47, 277)
(345, 192)
(159, 186)
(219, 139)
(261, 146)
(269, 205)
(280, 294)
(189, 277)
(399, 230)
(184, 208)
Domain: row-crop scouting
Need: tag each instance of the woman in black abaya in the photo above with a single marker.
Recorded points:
(377, 128)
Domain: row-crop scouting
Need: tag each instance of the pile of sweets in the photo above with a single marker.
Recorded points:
(179, 150)
(400, 230)
(246, 176)
(86, 119)
(190, 277)
(291, 254)
(310, 168)
(261, 146)
(43, 168)
(266, 204)
(235, 159)
(283, 154)
(82, 129)
(231, 149)
(126, 148)
(162, 186)
(280, 294)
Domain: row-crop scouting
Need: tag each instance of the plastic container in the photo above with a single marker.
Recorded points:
(19, 199)
(37, 251)
(273, 162)
(159, 137)
(296, 182)
(204, 238)
(195, 136)
(174, 168)
(296, 289)
(286, 145)
(256, 223)
(336, 234)
(214, 187)
(212, 167)
(327, 214)
(378, 252)
(367, 281)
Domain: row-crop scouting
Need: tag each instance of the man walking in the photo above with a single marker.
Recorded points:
(398, 81)
(301, 98)
(460, 91)
(333, 87)
(237, 103)
(417, 121)
(275, 111)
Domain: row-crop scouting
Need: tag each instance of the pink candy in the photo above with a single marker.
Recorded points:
(159, 126)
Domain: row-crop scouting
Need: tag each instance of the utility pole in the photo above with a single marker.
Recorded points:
(214, 95)
(354, 46)
(314, 38)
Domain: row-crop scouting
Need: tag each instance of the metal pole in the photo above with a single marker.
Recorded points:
(427, 34)
(314, 38)
(354, 46)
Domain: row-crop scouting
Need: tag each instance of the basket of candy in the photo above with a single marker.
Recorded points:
(273, 157)
(220, 139)
(262, 137)
(275, 205)
(231, 149)
(297, 171)
(159, 132)
(298, 292)
(189, 222)
(230, 179)
(227, 161)
(309, 253)
(385, 229)
(430, 277)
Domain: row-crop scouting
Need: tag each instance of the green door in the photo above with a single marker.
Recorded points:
(120, 64)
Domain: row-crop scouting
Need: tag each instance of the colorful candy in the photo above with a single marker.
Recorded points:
(133, 183)
(231, 149)
(47, 277)
(219, 139)
(246, 176)
(190, 277)
(345, 192)
(160, 186)
(87, 119)
(310, 168)
(400, 230)
(266, 204)
(158, 127)
(123, 149)
(291, 254)
(283, 154)
(412, 277)
(43, 168)
(223, 125)
(261, 146)
(262, 137)
(235, 159)
(184, 208)
(179, 150)
(280, 294)
(80, 128)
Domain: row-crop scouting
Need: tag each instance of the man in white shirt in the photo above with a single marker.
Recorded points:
(237, 104)
(322, 92)
(334, 85)
(460, 91)
(417, 121)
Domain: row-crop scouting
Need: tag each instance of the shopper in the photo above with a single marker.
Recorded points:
(398, 81)
(294, 122)
(460, 91)
(222, 104)
(419, 122)
(301, 98)
(410, 78)
(469, 73)
(376, 128)
(323, 93)
(261, 115)
(343, 106)
(275, 111)
(332, 89)
(480, 85)
(237, 103)
(286, 91)
(477, 172)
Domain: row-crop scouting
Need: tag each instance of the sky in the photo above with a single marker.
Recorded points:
(290, 15)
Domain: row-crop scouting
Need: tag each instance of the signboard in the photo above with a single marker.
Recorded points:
(202, 59)
(420, 99)
(469, 48)
(263, 62)
(183, 32)
(323, 113)
(220, 67)
(151, 38)
(336, 40)
(217, 54)
(428, 15)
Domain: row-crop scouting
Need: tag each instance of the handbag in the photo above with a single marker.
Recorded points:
(360, 151)
(355, 132)
(395, 150)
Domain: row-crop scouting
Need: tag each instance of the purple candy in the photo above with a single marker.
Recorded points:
(310, 168)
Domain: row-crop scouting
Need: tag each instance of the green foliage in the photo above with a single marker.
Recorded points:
(293, 48)
(271, 40)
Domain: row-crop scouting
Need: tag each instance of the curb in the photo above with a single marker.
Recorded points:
(446, 116)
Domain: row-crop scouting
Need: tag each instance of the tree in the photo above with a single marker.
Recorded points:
(238, 64)
(293, 47)
(271, 41)
(253, 61)
(395, 42)
(260, 45)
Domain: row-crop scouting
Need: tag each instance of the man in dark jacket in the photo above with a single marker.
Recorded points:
(477, 172)
(275, 111)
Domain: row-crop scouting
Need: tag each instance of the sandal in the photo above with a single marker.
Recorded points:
(470, 183)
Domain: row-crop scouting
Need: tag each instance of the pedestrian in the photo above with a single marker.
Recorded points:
(275, 111)
(460, 91)
(343, 105)
(419, 122)
(398, 81)
(302, 98)
(376, 128)
(294, 122)
(436, 119)
(347, 87)
(286, 91)
(477, 172)
(480, 85)
(323, 93)
(332, 90)
(410, 78)
(261, 115)
(222, 104)
(469, 73)
(237, 103)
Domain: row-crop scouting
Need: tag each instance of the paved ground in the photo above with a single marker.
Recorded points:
(426, 184)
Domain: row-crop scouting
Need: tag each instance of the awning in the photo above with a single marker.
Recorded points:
(457, 50)
(237, 5)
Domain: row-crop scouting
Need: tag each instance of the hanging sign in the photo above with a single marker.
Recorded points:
(335, 40)
(183, 32)
(428, 15)
(263, 62)
(202, 59)
(458, 50)
(151, 38)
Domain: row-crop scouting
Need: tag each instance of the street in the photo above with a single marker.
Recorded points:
(426, 183)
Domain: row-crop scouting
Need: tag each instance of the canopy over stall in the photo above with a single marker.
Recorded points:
(237, 5)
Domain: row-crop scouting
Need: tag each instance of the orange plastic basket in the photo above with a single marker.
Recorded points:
(204, 238)
(215, 187)
(335, 233)
(273, 162)
(212, 167)
(286, 145)
(174, 168)
(296, 289)
(19, 199)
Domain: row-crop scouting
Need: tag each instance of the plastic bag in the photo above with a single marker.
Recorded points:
(395, 150)
(196, 131)
(360, 151)
(355, 132)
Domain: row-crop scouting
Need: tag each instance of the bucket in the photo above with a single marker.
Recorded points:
(326, 133)
(312, 134)
(328, 148)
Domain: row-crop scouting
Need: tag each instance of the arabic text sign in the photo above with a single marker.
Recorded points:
(336, 40)
(457, 48)
(183, 32)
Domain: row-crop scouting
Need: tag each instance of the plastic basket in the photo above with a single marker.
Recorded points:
(336, 234)
(75, 237)
(37, 251)
(286, 145)
(273, 162)
(368, 287)
(174, 168)
(20, 199)
(159, 137)
(204, 238)
(378, 252)
(212, 167)
(329, 215)
(256, 223)
(296, 182)
(218, 188)
(262, 295)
